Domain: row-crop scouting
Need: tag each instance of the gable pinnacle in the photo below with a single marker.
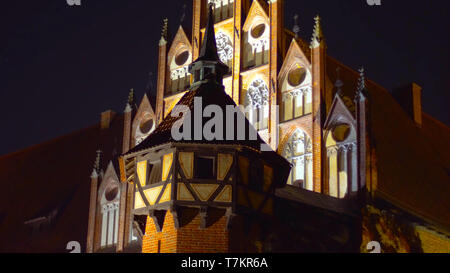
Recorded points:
(317, 37)
(130, 102)
(164, 31)
(361, 87)
(296, 28)
(97, 162)
(361, 80)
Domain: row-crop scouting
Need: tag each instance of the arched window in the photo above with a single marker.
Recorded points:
(223, 9)
(224, 48)
(298, 151)
(257, 104)
(145, 128)
(109, 204)
(257, 44)
(179, 72)
(297, 93)
(341, 165)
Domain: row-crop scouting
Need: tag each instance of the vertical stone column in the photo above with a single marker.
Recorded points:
(333, 171)
(343, 172)
(276, 26)
(236, 69)
(318, 76)
(308, 174)
(161, 84)
(196, 26)
(92, 212)
(122, 241)
(353, 164)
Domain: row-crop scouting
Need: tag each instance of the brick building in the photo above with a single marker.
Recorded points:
(349, 163)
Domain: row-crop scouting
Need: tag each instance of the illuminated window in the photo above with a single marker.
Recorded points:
(297, 93)
(298, 151)
(179, 72)
(110, 214)
(224, 48)
(223, 9)
(256, 49)
(257, 104)
(341, 164)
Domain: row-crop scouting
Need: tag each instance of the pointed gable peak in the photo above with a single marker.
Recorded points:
(295, 54)
(256, 10)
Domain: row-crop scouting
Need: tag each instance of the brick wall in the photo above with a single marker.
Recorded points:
(189, 238)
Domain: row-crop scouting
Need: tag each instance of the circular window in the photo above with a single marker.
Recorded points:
(182, 58)
(111, 192)
(146, 125)
(341, 132)
(297, 76)
(258, 30)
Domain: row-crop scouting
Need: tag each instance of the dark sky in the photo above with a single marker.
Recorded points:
(61, 66)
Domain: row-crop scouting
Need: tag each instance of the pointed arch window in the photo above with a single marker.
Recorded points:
(257, 104)
(109, 204)
(224, 48)
(223, 9)
(298, 151)
(341, 164)
(297, 93)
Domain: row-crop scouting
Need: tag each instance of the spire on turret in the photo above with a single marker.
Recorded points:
(208, 50)
(317, 37)
(208, 65)
(164, 31)
(296, 28)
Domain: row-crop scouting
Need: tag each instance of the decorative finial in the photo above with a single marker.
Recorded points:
(338, 84)
(296, 28)
(131, 101)
(361, 88)
(361, 80)
(97, 162)
(317, 37)
(183, 14)
(164, 31)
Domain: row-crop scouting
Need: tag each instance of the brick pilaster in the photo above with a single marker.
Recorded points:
(92, 212)
(318, 77)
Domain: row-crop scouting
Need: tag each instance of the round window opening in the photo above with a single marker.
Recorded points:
(182, 58)
(341, 132)
(258, 30)
(146, 125)
(297, 76)
(111, 192)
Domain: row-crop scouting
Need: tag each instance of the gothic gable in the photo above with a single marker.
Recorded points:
(294, 57)
(144, 122)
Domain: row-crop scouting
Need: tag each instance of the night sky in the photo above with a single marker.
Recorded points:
(61, 66)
